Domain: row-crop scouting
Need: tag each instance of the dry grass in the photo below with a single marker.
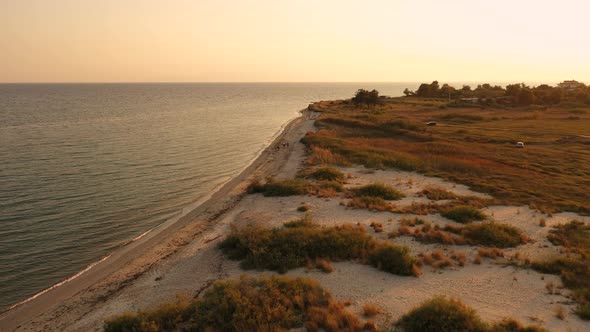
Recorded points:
(437, 259)
(324, 265)
(479, 154)
(560, 313)
(574, 269)
(437, 193)
(248, 304)
(371, 310)
(492, 253)
(377, 227)
(370, 203)
(378, 190)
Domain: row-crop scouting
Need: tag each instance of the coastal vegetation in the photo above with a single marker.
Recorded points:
(444, 314)
(515, 95)
(281, 188)
(248, 304)
(300, 242)
(463, 214)
(437, 194)
(276, 303)
(327, 174)
(574, 269)
(378, 190)
(488, 234)
(473, 144)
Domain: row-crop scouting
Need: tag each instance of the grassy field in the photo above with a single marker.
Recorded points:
(470, 145)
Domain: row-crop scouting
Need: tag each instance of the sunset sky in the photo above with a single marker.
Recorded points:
(284, 41)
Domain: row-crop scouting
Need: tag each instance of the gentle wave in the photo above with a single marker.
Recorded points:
(84, 168)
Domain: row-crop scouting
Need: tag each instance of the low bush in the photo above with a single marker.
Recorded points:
(494, 235)
(574, 270)
(327, 173)
(442, 314)
(378, 190)
(334, 185)
(393, 259)
(371, 203)
(371, 310)
(306, 221)
(248, 304)
(492, 253)
(511, 325)
(286, 188)
(437, 194)
(463, 214)
(165, 317)
(282, 249)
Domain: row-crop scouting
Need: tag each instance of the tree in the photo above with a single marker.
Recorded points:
(513, 90)
(446, 91)
(526, 97)
(408, 92)
(423, 90)
(367, 97)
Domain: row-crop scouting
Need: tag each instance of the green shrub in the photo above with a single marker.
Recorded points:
(393, 259)
(164, 317)
(442, 314)
(335, 185)
(463, 214)
(124, 322)
(303, 222)
(494, 235)
(255, 187)
(285, 248)
(248, 304)
(287, 188)
(378, 190)
(327, 174)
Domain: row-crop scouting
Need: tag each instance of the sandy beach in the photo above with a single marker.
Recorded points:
(182, 257)
(57, 308)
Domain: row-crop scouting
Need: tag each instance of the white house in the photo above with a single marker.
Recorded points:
(570, 85)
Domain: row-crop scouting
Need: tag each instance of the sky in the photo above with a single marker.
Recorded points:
(294, 41)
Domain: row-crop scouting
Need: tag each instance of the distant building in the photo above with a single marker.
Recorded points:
(570, 85)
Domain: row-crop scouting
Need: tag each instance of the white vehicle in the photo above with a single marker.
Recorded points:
(520, 145)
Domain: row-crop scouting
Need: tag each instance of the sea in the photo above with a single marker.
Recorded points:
(86, 168)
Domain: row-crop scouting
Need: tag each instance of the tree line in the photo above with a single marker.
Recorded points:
(514, 94)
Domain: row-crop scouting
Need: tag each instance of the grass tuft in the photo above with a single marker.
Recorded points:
(286, 188)
(494, 235)
(327, 173)
(378, 190)
(437, 194)
(463, 214)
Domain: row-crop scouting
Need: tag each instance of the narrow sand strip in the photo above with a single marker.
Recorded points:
(59, 307)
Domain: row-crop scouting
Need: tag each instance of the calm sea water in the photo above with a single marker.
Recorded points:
(87, 167)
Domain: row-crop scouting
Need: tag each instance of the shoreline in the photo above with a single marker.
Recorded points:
(14, 316)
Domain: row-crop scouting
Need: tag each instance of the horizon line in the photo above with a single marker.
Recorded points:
(272, 82)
